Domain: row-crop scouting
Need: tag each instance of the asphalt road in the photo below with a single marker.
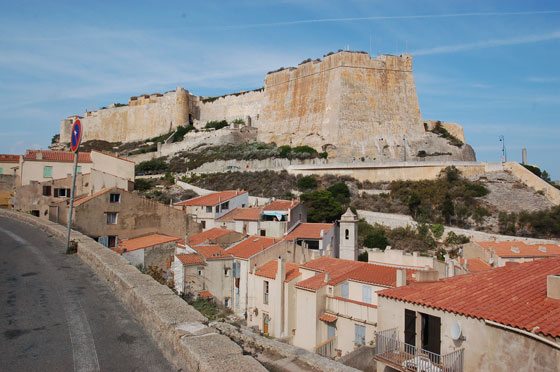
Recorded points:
(56, 315)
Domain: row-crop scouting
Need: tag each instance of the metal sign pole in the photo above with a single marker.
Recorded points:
(71, 202)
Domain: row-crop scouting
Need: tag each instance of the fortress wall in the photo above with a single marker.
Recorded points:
(343, 101)
(232, 107)
(144, 117)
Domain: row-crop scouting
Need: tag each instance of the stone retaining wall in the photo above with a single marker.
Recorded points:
(177, 328)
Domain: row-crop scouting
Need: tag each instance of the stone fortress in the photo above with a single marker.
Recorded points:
(348, 104)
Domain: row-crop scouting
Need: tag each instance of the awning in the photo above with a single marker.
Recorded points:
(328, 318)
(279, 216)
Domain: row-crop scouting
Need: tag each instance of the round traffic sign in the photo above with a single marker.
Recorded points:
(76, 136)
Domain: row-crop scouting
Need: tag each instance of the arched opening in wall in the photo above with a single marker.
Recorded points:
(328, 147)
(191, 120)
(249, 121)
(346, 234)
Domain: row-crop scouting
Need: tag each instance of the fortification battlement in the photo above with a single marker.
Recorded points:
(348, 59)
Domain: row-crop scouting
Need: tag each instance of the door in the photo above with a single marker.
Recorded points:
(266, 320)
(330, 331)
(431, 333)
(410, 327)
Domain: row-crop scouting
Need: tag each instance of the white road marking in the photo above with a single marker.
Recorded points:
(83, 345)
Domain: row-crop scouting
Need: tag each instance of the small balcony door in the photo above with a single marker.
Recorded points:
(410, 327)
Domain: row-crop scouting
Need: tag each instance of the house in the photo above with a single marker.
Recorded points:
(243, 220)
(214, 236)
(114, 214)
(155, 250)
(503, 319)
(280, 216)
(497, 254)
(44, 165)
(9, 164)
(318, 237)
(207, 209)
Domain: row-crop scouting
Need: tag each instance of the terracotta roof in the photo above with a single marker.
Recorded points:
(61, 156)
(309, 231)
(251, 246)
(281, 205)
(144, 242)
(513, 295)
(190, 259)
(477, 265)
(205, 294)
(7, 158)
(212, 199)
(269, 270)
(211, 252)
(89, 197)
(207, 236)
(328, 318)
(249, 214)
(520, 249)
(241, 214)
(341, 270)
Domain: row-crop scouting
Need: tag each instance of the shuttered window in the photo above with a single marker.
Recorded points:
(47, 172)
(344, 290)
(359, 334)
(366, 294)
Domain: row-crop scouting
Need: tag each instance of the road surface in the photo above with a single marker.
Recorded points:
(56, 315)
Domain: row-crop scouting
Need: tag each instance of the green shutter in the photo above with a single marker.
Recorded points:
(47, 172)
(79, 169)
(1, 171)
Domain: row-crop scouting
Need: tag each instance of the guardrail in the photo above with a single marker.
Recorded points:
(326, 348)
(409, 357)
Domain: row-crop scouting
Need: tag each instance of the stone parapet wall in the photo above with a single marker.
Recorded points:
(236, 106)
(177, 328)
(531, 180)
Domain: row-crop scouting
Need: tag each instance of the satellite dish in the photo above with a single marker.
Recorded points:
(456, 331)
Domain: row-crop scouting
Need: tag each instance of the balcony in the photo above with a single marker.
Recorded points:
(348, 308)
(405, 357)
(327, 348)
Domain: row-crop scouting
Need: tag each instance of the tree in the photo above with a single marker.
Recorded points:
(376, 240)
(507, 223)
(306, 183)
(321, 206)
(340, 192)
(447, 209)
(414, 202)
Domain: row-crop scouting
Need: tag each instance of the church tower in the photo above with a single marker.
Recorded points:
(348, 239)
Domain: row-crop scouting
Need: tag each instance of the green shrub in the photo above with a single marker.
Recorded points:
(304, 149)
(324, 155)
(151, 166)
(340, 192)
(442, 132)
(507, 223)
(216, 124)
(306, 183)
(143, 184)
(181, 131)
(284, 151)
(376, 240)
(321, 206)
(453, 238)
(437, 229)
(363, 256)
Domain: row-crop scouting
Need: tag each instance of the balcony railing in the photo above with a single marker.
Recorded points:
(326, 348)
(411, 358)
(352, 309)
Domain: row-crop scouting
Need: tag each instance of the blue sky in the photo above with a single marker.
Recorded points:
(493, 67)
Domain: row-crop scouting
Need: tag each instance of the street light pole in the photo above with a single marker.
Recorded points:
(504, 154)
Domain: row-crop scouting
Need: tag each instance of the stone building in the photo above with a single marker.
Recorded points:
(503, 319)
(155, 250)
(115, 214)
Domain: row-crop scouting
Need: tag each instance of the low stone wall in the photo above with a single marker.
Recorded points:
(251, 340)
(531, 180)
(274, 164)
(177, 328)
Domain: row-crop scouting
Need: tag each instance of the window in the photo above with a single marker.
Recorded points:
(35, 212)
(359, 334)
(236, 268)
(344, 290)
(227, 271)
(263, 232)
(62, 193)
(226, 302)
(208, 209)
(225, 206)
(346, 234)
(46, 190)
(330, 331)
(265, 292)
(203, 224)
(78, 169)
(199, 272)
(47, 172)
(1, 171)
(366, 294)
(115, 198)
(111, 218)
(112, 241)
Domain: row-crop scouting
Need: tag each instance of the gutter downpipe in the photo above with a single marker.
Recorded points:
(523, 332)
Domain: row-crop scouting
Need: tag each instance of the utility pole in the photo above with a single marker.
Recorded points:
(404, 147)
(504, 154)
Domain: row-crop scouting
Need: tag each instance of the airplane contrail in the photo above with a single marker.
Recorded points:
(373, 18)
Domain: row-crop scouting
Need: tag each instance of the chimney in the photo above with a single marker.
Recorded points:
(450, 268)
(39, 155)
(322, 233)
(327, 277)
(281, 272)
(401, 277)
(427, 276)
(553, 286)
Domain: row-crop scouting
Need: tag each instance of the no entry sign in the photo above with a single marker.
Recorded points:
(76, 136)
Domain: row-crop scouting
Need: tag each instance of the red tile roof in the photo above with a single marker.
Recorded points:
(328, 318)
(212, 199)
(208, 236)
(143, 242)
(309, 231)
(85, 199)
(61, 156)
(7, 158)
(269, 270)
(477, 265)
(251, 246)
(205, 294)
(341, 270)
(281, 205)
(521, 249)
(190, 259)
(251, 214)
(211, 252)
(513, 295)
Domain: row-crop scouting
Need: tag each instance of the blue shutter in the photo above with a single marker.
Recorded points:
(359, 334)
(104, 240)
(344, 289)
(366, 294)
(236, 268)
(330, 331)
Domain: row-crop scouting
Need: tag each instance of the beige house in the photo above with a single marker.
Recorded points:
(498, 254)
(9, 164)
(43, 165)
(149, 250)
(505, 319)
(207, 209)
(320, 238)
(243, 220)
(115, 214)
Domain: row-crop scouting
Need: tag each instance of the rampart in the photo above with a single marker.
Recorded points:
(144, 117)
(242, 105)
